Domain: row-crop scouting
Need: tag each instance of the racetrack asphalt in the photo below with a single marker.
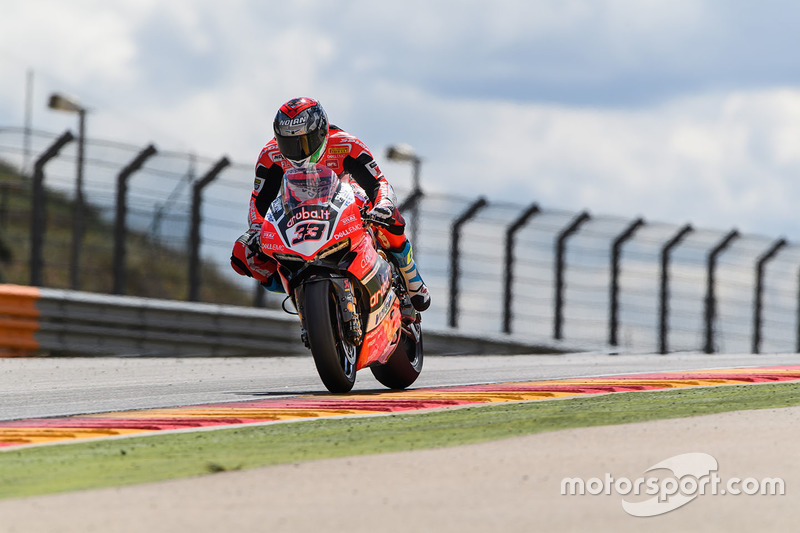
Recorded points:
(512, 484)
(46, 387)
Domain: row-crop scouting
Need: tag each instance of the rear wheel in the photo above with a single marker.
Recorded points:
(403, 367)
(334, 356)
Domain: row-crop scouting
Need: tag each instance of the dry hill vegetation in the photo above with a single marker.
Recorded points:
(153, 270)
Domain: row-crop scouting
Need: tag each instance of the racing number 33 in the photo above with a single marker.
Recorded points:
(310, 231)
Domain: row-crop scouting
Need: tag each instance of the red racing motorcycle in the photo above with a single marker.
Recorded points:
(353, 305)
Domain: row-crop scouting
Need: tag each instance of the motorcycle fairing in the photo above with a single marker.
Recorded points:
(314, 213)
(385, 333)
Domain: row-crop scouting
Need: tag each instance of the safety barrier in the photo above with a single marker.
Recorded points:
(41, 321)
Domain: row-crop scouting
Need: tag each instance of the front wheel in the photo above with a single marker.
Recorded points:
(403, 367)
(334, 356)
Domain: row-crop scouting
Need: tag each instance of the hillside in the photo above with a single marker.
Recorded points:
(153, 270)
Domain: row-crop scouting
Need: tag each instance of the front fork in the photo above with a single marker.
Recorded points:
(351, 320)
(351, 328)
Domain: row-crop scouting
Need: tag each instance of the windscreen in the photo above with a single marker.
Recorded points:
(309, 186)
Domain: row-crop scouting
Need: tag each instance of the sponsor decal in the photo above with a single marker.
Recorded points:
(376, 298)
(348, 219)
(266, 149)
(345, 233)
(372, 166)
(366, 260)
(377, 317)
(308, 214)
(276, 156)
(275, 212)
(253, 212)
(338, 150)
(355, 141)
(258, 184)
(297, 121)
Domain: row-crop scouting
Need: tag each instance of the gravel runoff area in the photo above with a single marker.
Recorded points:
(508, 485)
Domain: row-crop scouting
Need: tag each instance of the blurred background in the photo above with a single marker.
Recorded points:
(674, 111)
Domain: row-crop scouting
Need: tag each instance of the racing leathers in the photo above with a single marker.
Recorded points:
(346, 155)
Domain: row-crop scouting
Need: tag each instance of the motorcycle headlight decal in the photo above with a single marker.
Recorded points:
(342, 245)
(288, 258)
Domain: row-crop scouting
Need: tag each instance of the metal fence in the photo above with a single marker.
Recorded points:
(596, 281)
(184, 205)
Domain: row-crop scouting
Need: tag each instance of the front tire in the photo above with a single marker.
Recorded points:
(404, 366)
(334, 356)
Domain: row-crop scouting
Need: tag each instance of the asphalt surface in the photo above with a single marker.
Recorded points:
(46, 387)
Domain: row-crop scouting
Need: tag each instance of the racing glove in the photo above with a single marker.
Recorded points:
(252, 240)
(383, 211)
(247, 258)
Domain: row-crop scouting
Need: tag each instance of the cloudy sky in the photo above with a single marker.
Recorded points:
(675, 110)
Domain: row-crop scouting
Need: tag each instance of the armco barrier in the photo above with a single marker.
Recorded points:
(61, 322)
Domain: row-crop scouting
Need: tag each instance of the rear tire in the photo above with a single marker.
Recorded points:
(403, 367)
(334, 356)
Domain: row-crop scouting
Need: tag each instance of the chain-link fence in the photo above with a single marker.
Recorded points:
(596, 281)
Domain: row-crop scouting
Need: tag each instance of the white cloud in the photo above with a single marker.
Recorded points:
(717, 160)
(672, 125)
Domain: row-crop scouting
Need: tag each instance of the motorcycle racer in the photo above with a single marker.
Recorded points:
(304, 137)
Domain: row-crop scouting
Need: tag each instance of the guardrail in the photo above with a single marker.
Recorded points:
(41, 321)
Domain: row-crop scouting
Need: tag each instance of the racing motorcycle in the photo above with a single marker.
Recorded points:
(352, 302)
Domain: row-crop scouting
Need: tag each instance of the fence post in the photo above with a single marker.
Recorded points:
(711, 298)
(38, 219)
(515, 226)
(757, 307)
(561, 245)
(616, 252)
(664, 295)
(121, 213)
(455, 237)
(194, 229)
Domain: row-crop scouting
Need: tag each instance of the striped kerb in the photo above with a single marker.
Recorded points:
(67, 429)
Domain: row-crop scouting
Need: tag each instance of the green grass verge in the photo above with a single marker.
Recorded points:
(116, 462)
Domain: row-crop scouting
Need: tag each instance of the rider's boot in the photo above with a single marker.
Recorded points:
(420, 298)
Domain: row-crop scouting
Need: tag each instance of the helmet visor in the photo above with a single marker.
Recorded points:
(299, 147)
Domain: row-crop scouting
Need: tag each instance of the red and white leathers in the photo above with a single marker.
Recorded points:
(346, 155)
